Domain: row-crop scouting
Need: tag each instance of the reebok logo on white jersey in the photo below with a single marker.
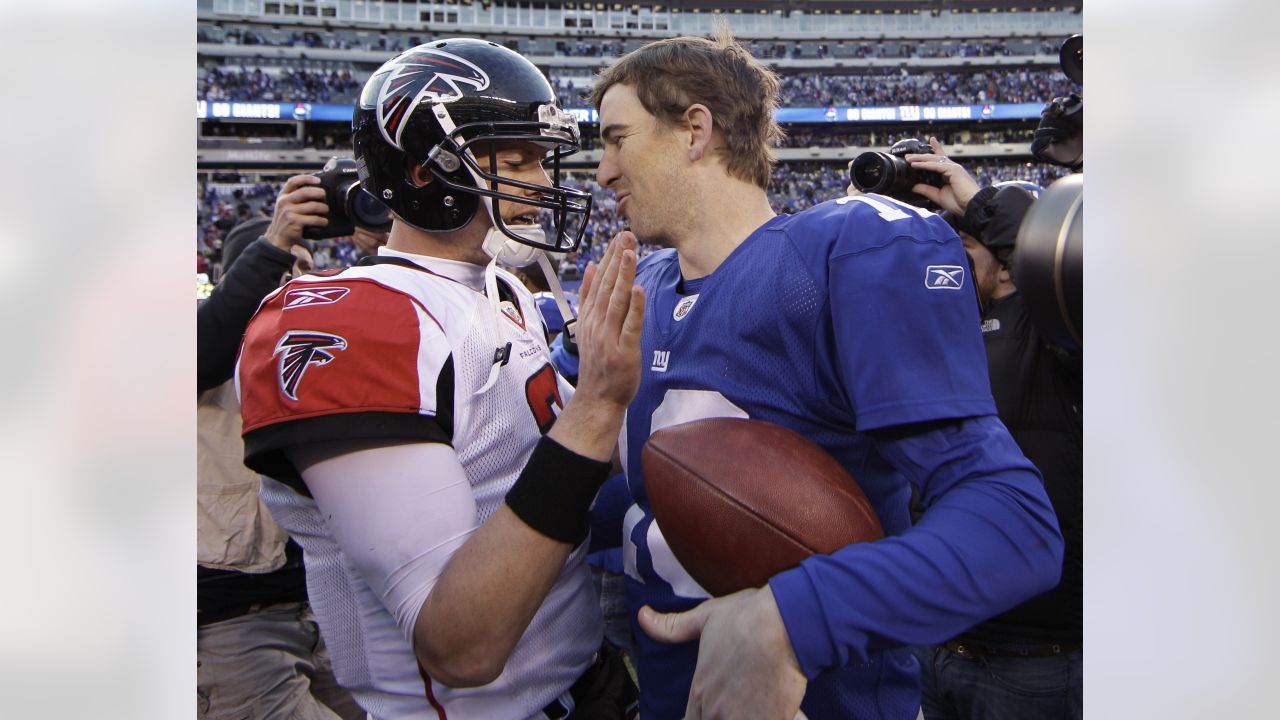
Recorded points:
(660, 360)
(944, 277)
(307, 297)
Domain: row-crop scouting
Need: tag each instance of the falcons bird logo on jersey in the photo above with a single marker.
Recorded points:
(300, 349)
(424, 74)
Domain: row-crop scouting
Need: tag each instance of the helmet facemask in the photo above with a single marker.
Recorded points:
(476, 145)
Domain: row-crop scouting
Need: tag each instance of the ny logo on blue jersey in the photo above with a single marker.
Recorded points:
(944, 277)
(660, 360)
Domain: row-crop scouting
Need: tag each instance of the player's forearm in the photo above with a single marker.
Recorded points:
(493, 585)
(987, 542)
(485, 599)
(589, 427)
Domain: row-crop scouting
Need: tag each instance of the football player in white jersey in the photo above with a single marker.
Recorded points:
(412, 432)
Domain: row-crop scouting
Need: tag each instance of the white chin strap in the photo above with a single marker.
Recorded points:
(501, 248)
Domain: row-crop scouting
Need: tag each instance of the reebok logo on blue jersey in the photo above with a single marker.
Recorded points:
(944, 277)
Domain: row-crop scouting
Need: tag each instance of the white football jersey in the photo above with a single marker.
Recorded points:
(405, 343)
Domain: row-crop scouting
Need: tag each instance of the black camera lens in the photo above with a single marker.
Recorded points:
(349, 205)
(891, 175)
(877, 172)
(366, 210)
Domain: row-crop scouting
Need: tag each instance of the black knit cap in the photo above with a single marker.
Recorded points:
(240, 237)
(993, 218)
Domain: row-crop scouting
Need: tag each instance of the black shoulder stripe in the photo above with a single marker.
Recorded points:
(264, 448)
(444, 398)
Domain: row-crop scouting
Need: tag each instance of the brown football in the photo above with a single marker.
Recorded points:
(742, 500)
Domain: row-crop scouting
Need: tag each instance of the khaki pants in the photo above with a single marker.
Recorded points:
(269, 664)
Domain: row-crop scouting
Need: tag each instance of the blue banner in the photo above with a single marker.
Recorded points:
(908, 113)
(209, 110)
(227, 110)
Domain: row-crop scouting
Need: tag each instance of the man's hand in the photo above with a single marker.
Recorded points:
(746, 667)
(960, 186)
(610, 314)
(300, 205)
(367, 241)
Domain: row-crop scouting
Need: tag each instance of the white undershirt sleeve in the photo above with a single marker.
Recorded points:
(398, 512)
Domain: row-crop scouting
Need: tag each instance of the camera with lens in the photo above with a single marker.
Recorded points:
(1048, 263)
(1059, 139)
(349, 204)
(890, 174)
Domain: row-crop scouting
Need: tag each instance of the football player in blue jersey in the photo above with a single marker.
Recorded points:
(853, 323)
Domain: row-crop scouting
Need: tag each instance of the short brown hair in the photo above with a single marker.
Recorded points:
(672, 74)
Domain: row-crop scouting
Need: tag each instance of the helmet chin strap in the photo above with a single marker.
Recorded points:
(501, 248)
(514, 254)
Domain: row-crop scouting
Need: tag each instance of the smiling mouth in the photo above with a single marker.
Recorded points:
(525, 218)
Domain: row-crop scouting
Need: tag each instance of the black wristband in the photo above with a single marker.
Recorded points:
(554, 492)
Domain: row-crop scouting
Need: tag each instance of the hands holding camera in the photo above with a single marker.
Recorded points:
(958, 187)
(368, 241)
(300, 205)
(303, 204)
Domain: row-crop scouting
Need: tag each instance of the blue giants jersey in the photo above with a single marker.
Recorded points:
(853, 316)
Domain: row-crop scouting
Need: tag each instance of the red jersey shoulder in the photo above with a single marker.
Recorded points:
(332, 345)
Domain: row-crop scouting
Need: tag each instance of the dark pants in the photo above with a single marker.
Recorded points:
(604, 692)
(993, 687)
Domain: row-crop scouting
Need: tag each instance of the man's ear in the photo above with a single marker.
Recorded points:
(418, 175)
(698, 120)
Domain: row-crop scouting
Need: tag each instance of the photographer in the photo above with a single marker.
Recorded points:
(1027, 662)
(258, 647)
(263, 260)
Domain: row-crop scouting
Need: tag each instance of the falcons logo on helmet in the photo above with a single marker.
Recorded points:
(423, 74)
(300, 349)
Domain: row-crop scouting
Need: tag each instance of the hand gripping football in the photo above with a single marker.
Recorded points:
(742, 500)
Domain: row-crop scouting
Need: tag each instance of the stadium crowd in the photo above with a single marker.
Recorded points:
(793, 187)
(231, 199)
(928, 88)
(299, 84)
(232, 34)
(289, 84)
(334, 136)
(800, 137)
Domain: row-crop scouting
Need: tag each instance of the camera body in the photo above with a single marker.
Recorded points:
(891, 175)
(1059, 139)
(349, 204)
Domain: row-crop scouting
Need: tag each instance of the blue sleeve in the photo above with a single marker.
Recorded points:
(566, 362)
(908, 338)
(612, 503)
(988, 541)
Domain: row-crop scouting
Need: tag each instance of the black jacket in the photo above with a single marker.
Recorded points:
(222, 319)
(1038, 393)
(220, 325)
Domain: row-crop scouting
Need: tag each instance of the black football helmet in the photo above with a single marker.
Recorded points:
(442, 105)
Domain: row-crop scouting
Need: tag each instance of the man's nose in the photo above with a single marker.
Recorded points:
(606, 173)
